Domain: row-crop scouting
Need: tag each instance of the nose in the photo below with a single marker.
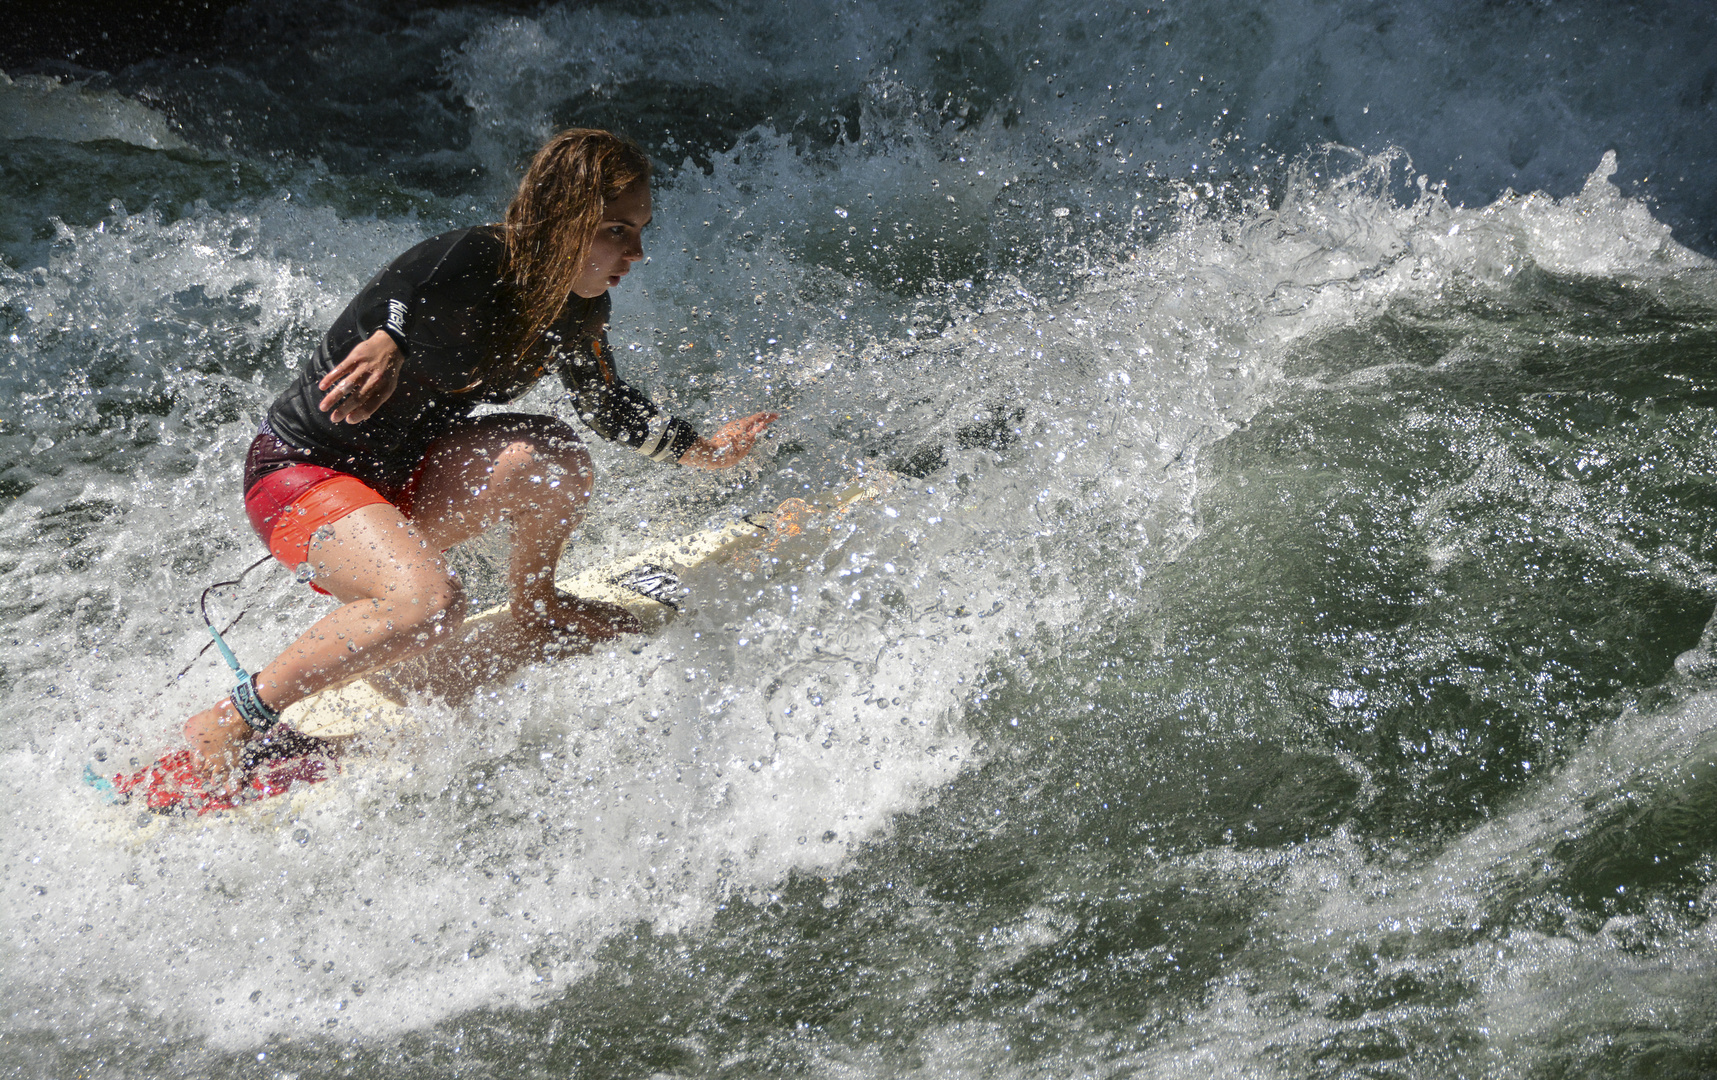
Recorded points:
(635, 250)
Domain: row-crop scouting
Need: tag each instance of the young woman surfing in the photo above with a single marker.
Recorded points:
(370, 464)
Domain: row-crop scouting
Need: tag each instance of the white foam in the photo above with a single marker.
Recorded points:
(34, 106)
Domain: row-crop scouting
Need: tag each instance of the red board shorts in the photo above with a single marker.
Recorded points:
(289, 501)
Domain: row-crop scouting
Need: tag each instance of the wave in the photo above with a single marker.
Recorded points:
(1272, 619)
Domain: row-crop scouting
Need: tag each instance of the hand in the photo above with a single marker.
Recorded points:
(729, 446)
(362, 382)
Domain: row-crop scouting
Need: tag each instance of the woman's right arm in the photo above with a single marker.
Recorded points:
(362, 382)
(379, 319)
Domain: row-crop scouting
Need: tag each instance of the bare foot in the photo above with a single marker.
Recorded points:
(593, 620)
(217, 736)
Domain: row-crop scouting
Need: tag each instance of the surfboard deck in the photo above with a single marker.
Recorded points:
(313, 741)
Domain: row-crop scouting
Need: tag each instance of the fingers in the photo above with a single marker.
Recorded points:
(362, 382)
(344, 385)
(356, 399)
(737, 438)
(331, 404)
(362, 353)
(340, 370)
(729, 445)
(752, 429)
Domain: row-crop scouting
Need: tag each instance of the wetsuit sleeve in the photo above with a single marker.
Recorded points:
(386, 303)
(607, 403)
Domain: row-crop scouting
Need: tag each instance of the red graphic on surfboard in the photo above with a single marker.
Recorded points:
(271, 766)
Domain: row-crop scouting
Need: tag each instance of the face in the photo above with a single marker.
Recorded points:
(618, 244)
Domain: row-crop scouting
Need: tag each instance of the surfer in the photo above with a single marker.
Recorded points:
(370, 464)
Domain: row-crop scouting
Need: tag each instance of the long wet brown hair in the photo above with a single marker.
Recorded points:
(551, 222)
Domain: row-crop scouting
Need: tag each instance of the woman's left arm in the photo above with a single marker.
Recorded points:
(618, 412)
(728, 446)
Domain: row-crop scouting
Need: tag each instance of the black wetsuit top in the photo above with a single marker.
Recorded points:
(445, 303)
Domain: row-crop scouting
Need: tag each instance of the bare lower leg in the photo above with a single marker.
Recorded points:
(354, 640)
(541, 622)
(400, 599)
(536, 604)
(536, 475)
(533, 474)
(480, 653)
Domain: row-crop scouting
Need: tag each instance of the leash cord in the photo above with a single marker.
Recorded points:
(203, 607)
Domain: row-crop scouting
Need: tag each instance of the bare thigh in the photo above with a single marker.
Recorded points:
(377, 553)
(396, 595)
(504, 466)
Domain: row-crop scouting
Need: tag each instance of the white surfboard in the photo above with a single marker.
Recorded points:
(646, 584)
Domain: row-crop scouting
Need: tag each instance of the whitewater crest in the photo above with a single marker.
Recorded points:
(39, 107)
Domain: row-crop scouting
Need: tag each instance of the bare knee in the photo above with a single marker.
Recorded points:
(426, 605)
(545, 470)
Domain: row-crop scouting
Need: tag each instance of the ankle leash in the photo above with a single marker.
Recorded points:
(246, 701)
